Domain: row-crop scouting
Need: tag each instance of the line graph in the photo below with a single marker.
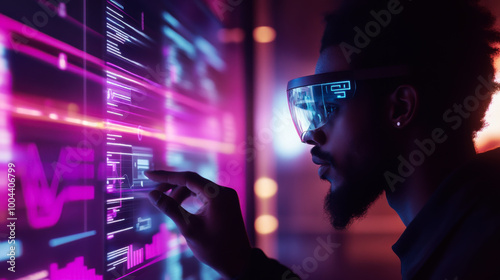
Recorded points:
(44, 204)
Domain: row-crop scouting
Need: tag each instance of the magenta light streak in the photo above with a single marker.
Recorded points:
(6, 130)
(15, 26)
(26, 111)
(161, 90)
(73, 271)
(55, 61)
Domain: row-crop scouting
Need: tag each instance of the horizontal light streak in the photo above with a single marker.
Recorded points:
(130, 154)
(116, 221)
(201, 143)
(121, 230)
(115, 263)
(114, 200)
(115, 53)
(121, 96)
(112, 43)
(116, 3)
(118, 252)
(120, 15)
(70, 238)
(124, 23)
(118, 144)
(14, 26)
(118, 85)
(30, 112)
(114, 37)
(118, 114)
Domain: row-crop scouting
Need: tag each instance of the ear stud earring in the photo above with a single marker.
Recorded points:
(398, 124)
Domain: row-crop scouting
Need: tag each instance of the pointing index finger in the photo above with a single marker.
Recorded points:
(190, 180)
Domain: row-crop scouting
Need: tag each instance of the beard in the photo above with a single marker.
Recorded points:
(349, 202)
(361, 186)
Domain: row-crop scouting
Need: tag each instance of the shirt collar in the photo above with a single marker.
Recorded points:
(449, 203)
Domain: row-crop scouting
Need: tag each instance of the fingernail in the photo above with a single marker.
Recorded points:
(154, 196)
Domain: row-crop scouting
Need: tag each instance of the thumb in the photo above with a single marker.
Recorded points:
(171, 208)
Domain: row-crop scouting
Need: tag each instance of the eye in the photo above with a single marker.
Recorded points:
(331, 108)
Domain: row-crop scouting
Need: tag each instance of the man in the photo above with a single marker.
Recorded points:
(400, 90)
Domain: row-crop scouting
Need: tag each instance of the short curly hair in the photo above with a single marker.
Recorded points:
(448, 44)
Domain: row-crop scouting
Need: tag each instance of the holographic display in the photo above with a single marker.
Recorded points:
(92, 94)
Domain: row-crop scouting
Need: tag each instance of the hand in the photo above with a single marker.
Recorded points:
(216, 233)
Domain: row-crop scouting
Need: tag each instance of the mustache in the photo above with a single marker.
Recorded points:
(317, 152)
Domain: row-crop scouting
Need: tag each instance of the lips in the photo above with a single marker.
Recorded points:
(319, 161)
(324, 166)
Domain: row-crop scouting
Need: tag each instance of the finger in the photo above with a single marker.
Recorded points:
(179, 194)
(165, 187)
(202, 187)
(171, 208)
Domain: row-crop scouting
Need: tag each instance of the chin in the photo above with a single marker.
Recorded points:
(346, 202)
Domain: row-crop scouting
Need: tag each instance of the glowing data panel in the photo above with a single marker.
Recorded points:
(92, 94)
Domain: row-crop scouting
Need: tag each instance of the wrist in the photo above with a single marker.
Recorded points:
(238, 264)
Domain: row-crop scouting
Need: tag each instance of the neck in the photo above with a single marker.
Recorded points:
(410, 196)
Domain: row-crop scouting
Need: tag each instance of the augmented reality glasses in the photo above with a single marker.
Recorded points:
(313, 99)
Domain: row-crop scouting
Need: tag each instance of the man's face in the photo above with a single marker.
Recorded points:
(352, 148)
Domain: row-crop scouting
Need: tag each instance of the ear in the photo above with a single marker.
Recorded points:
(403, 103)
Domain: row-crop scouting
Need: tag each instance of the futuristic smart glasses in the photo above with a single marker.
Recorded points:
(312, 99)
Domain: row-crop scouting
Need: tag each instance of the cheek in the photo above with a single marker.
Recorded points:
(356, 140)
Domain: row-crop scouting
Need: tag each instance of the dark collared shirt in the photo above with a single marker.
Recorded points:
(456, 235)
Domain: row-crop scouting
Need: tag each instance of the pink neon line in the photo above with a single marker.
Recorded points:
(20, 28)
(69, 18)
(55, 61)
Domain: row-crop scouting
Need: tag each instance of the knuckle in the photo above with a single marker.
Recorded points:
(191, 174)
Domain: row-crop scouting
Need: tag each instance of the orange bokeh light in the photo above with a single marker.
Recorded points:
(489, 137)
(264, 34)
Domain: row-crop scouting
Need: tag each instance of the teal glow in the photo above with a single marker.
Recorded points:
(171, 20)
(5, 249)
(210, 52)
(339, 88)
(180, 41)
(70, 238)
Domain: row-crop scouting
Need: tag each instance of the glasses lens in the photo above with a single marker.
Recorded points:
(307, 108)
(309, 104)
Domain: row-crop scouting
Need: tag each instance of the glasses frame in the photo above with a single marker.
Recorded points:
(341, 84)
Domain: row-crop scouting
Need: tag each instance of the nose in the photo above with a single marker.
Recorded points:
(315, 137)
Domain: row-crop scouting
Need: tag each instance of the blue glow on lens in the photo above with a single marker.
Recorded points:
(286, 141)
(339, 89)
